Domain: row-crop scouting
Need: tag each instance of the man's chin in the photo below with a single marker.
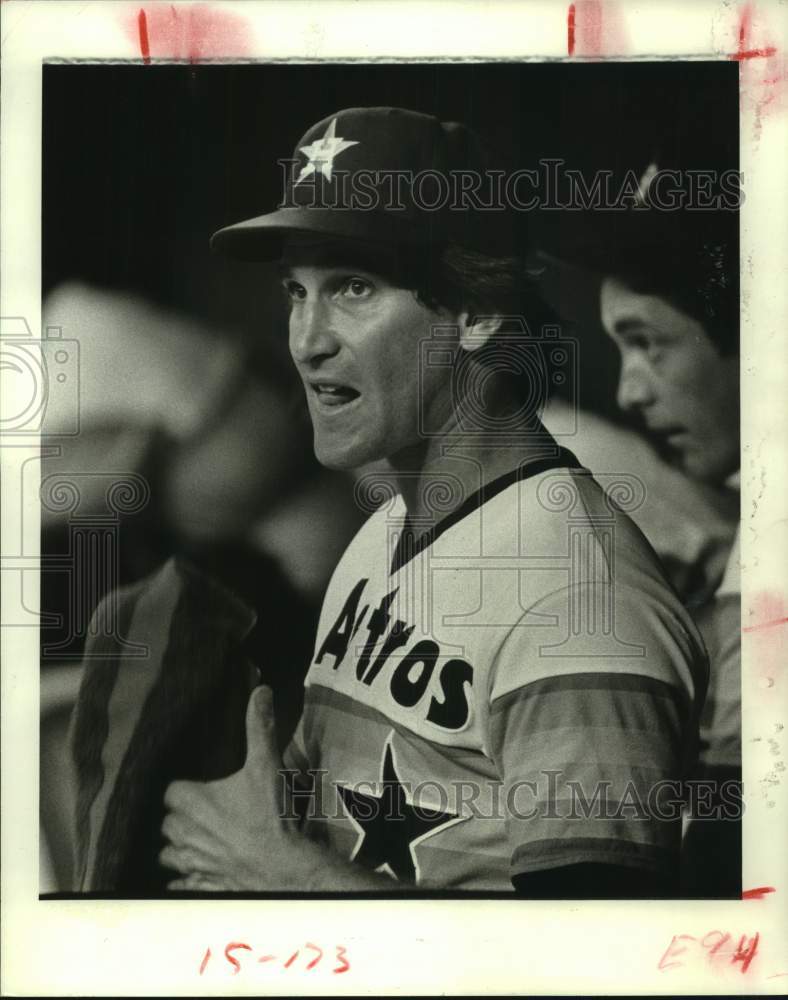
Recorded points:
(693, 463)
(338, 457)
(703, 469)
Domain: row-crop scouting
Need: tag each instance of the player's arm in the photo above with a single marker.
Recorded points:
(241, 834)
(592, 759)
(600, 814)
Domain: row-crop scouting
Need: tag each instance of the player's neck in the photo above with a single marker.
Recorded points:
(463, 457)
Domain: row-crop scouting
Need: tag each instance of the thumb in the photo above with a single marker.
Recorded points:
(261, 747)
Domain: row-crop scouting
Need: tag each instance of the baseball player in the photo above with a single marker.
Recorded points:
(504, 691)
(668, 298)
(678, 338)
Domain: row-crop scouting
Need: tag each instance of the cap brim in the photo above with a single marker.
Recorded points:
(261, 238)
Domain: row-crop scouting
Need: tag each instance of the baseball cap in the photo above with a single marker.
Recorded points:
(687, 254)
(381, 175)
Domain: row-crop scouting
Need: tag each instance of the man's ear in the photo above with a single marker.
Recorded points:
(475, 333)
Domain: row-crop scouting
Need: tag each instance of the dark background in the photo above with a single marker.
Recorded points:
(142, 163)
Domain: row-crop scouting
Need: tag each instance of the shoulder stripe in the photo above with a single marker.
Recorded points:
(316, 696)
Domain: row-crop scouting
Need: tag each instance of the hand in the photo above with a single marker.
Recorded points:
(231, 835)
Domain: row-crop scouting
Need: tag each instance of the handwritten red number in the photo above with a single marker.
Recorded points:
(673, 952)
(745, 955)
(344, 964)
(314, 961)
(341, 952)
(231, 947)
(722, 939)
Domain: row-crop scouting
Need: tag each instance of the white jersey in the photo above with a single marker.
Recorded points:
(503, 697)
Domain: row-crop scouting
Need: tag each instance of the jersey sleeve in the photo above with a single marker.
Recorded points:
(590, 735)
(720, 723)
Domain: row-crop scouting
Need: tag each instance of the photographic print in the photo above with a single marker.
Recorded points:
(392, 445)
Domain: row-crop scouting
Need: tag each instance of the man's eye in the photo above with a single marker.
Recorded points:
(294, 290)
(637, 342)
(356, 288)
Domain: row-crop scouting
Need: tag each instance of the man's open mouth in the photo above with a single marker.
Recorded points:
(333, 394)
(670, 435)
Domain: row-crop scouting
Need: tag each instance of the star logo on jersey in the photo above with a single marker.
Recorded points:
(390, 827)
(321, 153)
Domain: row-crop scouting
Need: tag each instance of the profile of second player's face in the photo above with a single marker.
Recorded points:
(354, 336)
(674, 379)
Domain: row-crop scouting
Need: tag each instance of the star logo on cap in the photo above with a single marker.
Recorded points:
(322, 152)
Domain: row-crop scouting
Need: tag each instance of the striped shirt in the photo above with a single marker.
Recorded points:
(508, 693)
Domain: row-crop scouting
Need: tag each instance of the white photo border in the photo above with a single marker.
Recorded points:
(397, 947)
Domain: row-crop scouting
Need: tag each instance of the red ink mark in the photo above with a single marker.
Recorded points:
(205, 960)
(595, 28)
(314, 961)
(723, 938)
(570, 30)
(746, 954)
(292, 959)
(713, 943)
(759, 628)
(745, 24)
(754, 54)
(142, 27)
(672, 952)
(763, 73)
(266, 958)
(768, 606)
(190, 33)
(745, 20)
(758, 893)
(341, 952)
(234, 946)
(767, 612)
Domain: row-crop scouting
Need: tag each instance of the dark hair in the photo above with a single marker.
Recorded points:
(702, 282)
(458, 278)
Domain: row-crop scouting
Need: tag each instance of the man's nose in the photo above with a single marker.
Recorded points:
(635, 386)
(311, 334)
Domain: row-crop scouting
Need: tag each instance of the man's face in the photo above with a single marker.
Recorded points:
(674, 379)
(354, 338)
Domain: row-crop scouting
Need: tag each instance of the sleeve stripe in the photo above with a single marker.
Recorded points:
(587, 683)
(90, 723)
(558, 852)
(599, 747)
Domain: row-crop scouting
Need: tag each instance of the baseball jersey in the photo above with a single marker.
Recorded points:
(505, 692)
